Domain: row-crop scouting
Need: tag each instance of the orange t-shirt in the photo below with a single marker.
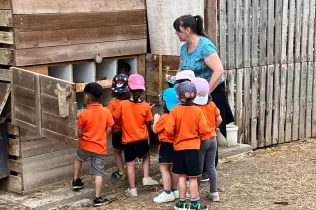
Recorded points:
(93, 123)
(134, 118)
(211, 112)
(160, 129)
(186, 124)
(112, 106)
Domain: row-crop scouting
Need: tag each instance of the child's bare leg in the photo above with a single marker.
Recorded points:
(131, 174)
(98, 185)
(119, 159)
(194, 188)
(174, 179)
(165, 173)
(77, 168)
(146, 165)
(182, 186)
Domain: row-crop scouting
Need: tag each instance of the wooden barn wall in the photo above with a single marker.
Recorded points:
(68, 30)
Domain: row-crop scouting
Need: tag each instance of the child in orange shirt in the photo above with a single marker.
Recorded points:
(119, 92)
(134, 115)
(209, 140)
(186, 123)
(166, 151)
(94, 127)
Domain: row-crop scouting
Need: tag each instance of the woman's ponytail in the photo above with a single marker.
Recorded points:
(199, 26)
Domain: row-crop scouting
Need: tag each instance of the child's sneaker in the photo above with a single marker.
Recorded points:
(164, 197)
(131, 192)
(176, 194)
(160, 182)
(180, 205)
(118, 175)
(77, 184)
(213, 196)
(149, 181)
(198, 206)
(100, 201)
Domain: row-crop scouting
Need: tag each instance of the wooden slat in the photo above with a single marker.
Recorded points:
(305, 15)
(78, 20)
(298, 31)
(263, 32)
(309, 99)
(278, 30)
(314, 105)
(24, 96)
(13, 130)
(270, 44)
(222, 32)
(6, 56)
(5, 75)
(289, 102)
(311, 23)
(20, 76)
(24, 114)
(231, 60)
(72, 6)
(247, 106)
(262, 105)
(254, 106)
(57, 54)
(255, 23)
(141, 65)
(290, 46)
(49, 38)
(15, 165)
(5, 4)
(26, 135)
(6, 37)
(269, 106)
(210, 19)
(283, 75)
(12, 183)
(14, 147)
(303, 101)
(246, 34)
(238, 32)
(239, 104)
(296, 101)
(231, 75)
(4, 94)
(284, 29)
(5, 18)
(276, 105)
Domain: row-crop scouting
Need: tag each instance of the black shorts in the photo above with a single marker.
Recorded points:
(137, 149)
(187, 162)
(166, 153)
(117, 140)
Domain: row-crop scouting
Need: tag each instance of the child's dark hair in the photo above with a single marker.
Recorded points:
(164, 107)
(195, 23)
(136, 94)
(181, 80)
(121, 96)
(123, 68)
(94, 91)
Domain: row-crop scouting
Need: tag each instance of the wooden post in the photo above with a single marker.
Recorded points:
(160, 75)
(211, 19)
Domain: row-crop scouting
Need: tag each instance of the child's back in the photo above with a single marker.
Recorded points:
(211, 112)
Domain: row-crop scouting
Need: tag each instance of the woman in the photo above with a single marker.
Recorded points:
(199, 55)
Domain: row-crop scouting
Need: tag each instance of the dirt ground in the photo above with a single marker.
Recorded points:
(281, 177)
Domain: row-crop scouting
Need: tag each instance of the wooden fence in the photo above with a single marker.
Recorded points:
(267, 48)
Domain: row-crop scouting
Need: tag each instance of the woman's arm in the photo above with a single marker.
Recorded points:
(215, 64)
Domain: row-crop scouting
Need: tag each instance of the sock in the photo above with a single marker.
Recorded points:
(182, 201)
(194, 203)
(168, 191)
(172, 190)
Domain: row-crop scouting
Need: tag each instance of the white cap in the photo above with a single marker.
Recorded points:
(185, 74)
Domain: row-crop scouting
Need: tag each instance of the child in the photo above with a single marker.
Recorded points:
(119, 92)
(166, 152)
(134, 115)
(186, 123)
(123, 68)
(185, 75)
(94, 127)
(209, 141)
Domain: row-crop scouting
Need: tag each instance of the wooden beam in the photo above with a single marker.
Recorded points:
(5, 4)
(5, 75)
(6, 37)
(13, 130)
(6, 56)
(12, 183)
(5, 18)
(15, 165)
(211, 19)
(58, 54)
(14, 147)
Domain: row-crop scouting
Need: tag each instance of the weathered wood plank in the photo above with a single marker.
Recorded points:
(231, 45)
(255, 23)
(269, 105)
(14, 147)
(141, 66)
(262, 105)
(26, 135)
(238, 32)
(296, 100)
(24, 96)
(13, 130)
(72, 6)
(283, 75)
(263, 32)
(38, 69)
(270, 44)
(309, 99)
(278, 30)
(222, 33)
(276, 105)
(298, 31)
(254, 106)
(303, 101)
(311, 23)
(6, 56)
(78, 20)
(284, 31)
(247, 106)
(5, 75)
(210, 19)
(57, 54)
(304, 31)
(6, 37)
(50, 38)
(15, 165)
(290, 46)
(4, 94)
(289, 102)
(19, 77)
(5, 18)
(239, 104)
(25, 114)
(246, 34)
(231, 75)
(314, 104)
(5, 4)
(12, 183)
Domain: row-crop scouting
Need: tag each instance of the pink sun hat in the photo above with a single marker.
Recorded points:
(136, 82)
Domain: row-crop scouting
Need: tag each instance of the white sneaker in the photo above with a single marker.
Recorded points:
(149, 181)
(131, 192)
(164, 197)
(176, 194)
(213, 196)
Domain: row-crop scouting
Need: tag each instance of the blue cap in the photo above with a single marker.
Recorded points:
(170, 97)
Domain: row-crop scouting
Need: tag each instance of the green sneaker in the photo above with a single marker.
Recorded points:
(198, 206)
(180, 205)
(117, 175)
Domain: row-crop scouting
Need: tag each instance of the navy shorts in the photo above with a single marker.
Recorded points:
(117, 140)
(137, 149)
(166, 153)
(187, 162)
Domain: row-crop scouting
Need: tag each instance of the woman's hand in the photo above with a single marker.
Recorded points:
(215, 64)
